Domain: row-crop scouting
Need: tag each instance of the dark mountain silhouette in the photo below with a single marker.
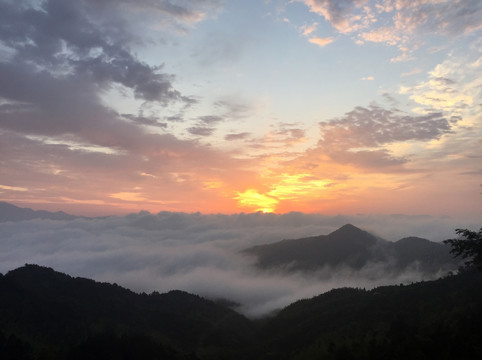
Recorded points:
(49, 315)
(10, 212)
(427, 255)
(62, 312)
(428, 320)
(354, 248)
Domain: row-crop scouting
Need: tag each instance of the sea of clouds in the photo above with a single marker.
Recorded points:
(201, 253)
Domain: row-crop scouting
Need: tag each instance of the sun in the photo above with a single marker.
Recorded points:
(285, 189)
(255, 201)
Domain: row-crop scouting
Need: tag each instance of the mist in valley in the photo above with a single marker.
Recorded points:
(202, 254)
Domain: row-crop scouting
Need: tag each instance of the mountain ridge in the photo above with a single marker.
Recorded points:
(45, 314)
(354, 248)
(10, 212)
(52, 302)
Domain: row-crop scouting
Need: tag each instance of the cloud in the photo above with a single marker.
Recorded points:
(281, 135)
(412, 19)
(401, 23)
(414, 71)
(359, 136)
(237, 136)
(339, 13)
(433, 16)
(205, 125)
(210, 119)
(307, 30)
(321, 42)
(234, 108)
(382, 35)
(201, 253)
(201, 130)
(453, 86)
(80, 173)
(65, 58)
(143, 120)
(369, 78)
(375, 126)
(64, 38)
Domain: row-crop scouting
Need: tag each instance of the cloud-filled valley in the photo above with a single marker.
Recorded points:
(250, 152)
(202, 253)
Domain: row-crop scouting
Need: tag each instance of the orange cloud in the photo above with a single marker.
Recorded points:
(321, 42)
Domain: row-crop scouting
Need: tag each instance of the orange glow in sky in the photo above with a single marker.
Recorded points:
(243, 106)
(254, 201)
(300, 187)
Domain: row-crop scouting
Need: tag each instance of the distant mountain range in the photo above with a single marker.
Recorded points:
(10, 212)
(45, 314)
(354, 248)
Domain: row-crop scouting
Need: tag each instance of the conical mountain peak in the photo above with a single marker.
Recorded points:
(349, 235)
(348, 230)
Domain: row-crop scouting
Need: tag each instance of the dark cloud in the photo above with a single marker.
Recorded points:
(175, 118)
(65, 54)
(204, 126)
(142, 120)
(210, 119)
(65, 38)
(358, 136)
(237, 136)
(374, 126)
(63, 57)
(201, 130)
(449, 18)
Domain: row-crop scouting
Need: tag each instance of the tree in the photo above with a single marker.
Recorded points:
(468, 246)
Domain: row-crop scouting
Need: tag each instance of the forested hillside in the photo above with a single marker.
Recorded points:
(49, 315)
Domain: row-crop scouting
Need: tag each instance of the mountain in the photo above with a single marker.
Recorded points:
(10, 212)
(45, 314)
(354, 248)
(428, 320)
(68, 314)
(427, 255)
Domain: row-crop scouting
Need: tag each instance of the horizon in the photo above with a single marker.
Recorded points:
(457, 220)
(203, 254)
(249, 106)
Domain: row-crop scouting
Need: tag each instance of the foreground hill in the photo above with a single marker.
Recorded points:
(69, 316)
(354, 248)
(438, 319)
(49, 315)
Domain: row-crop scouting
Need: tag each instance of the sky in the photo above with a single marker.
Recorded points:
(241, 106)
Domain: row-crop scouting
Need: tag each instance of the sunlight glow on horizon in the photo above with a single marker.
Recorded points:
(255, 201)
(297, 187)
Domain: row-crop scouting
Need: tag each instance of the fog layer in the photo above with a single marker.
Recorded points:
(201, 253)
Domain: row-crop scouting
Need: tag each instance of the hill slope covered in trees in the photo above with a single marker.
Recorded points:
(49, 315)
